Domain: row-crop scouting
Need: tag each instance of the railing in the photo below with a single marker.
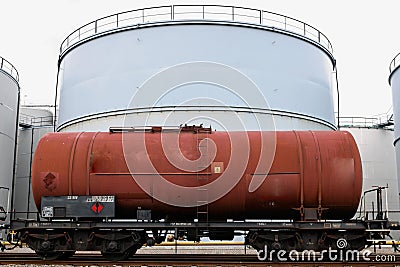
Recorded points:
(394, 63)
(195, 12)
(379, 121)
(36, 121)
(9, 68)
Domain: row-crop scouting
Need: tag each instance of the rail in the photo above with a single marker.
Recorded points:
(195, 12)
(6, 66)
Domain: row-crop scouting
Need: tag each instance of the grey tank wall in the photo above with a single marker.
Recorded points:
(394, 81)
(379, 167)
(9, 97)
(28, 139)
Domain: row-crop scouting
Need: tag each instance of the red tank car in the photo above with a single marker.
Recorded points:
(313, 173)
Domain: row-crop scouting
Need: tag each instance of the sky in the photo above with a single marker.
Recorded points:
(364, 35)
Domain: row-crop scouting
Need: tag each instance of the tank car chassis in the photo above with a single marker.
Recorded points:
(118, 239)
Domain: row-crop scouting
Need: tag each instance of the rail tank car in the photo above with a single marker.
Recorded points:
(309, 170)
(111, 191)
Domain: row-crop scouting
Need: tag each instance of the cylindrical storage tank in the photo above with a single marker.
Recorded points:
(228, 67)
(379, 167)
(173, 173)
(394, 81)
(9, 100)
(34, 123)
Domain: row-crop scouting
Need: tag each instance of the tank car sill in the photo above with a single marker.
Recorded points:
(20, 225)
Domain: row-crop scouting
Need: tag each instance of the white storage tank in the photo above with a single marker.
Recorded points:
(34, 122)
(394, 81)
(9, 100)
(379, 167)
(229, 67)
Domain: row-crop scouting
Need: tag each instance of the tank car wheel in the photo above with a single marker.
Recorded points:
(119, 256)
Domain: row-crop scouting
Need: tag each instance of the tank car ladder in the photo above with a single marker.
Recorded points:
(202, 178)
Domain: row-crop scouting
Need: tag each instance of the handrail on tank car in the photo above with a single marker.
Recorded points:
(381, 209)
(196, 12)
(156, 129)
(6, 66)
(5, 211)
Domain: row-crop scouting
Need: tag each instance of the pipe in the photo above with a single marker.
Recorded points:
(338, 96)
(56, 95)
(30, 173)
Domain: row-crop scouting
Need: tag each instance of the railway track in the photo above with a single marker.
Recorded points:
(185, 260)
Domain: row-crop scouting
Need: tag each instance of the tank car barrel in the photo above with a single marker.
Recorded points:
(308, 171)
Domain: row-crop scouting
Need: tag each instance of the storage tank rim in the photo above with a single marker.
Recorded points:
(396, 140)
(392, 72)
(12, 73)
(394, 64)
(66, 46)
(203, 108)
(393, 67)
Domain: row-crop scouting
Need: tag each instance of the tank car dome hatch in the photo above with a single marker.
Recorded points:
(181, 64)
(9, 101)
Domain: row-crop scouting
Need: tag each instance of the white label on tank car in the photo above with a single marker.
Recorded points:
(47, 212)
(100, 199)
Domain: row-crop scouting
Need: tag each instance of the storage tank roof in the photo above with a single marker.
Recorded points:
(199, 13)
(8, 68)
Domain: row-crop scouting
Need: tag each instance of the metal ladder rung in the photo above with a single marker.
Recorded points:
(202, 198)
